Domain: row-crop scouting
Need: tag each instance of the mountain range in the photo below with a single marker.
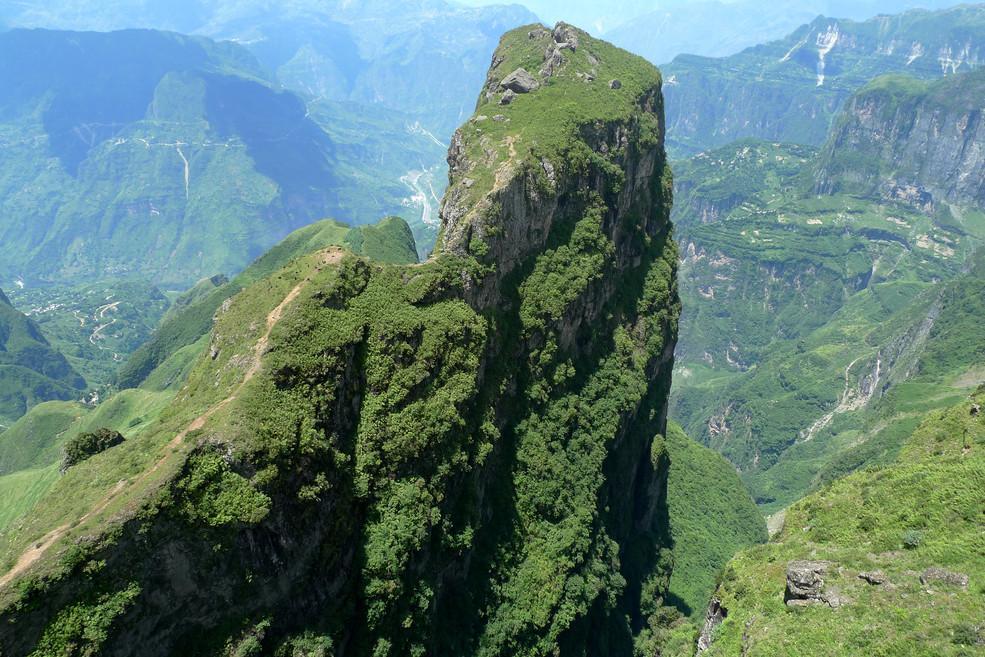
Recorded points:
(791, 89)
(180, 141)
(680, 363)
(824, 286)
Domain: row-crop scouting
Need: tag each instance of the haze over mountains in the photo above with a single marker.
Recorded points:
(663, 29)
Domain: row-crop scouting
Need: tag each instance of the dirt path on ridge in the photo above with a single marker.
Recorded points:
(35, 552)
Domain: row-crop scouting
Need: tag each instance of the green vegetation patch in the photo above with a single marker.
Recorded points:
(88, 444)
(82, 629)
(711, 518)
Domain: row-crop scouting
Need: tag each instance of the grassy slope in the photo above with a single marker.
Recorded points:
(32, 447)
(389, 240)
(711, 517)
(83, 486)
(34, 443)
(29, 441)
(19, 492)
(936, 492)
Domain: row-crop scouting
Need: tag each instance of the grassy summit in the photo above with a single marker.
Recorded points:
(596, 82)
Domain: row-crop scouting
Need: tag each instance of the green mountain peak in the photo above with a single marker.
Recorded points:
(392, 458)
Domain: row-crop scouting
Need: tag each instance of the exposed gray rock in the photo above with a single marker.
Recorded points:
(553, 59)
(519, 81)
(923, 149)
(875, 577)
(805, 585)
(500, 118)
(935, 574)
(549, 171)
(565, 36)
(615, 84)
(508, 97)
(714, 616)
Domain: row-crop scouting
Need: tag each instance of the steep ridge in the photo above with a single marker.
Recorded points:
(916, 141)
(790, 90)
(31, 448)
(387, 241)
(31, 370)
(457, 457)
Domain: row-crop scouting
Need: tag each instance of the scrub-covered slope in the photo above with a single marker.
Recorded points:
(450, 458)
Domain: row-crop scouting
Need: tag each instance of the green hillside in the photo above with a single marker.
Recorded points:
(805, 316)
(915, 525)
(711, 518)
(31, 370)
(33, 445)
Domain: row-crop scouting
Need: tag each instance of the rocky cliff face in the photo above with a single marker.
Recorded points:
(909, 141)
(789, 90)
(462, 457)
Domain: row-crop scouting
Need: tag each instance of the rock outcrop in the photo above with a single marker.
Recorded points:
(939, 575)
(805, 585)
(520, 82)
(714, 616)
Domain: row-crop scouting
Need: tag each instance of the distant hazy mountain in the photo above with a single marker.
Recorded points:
(389, 80)
(789, 90)
(141, 152)
(662, 29)
(421, 57)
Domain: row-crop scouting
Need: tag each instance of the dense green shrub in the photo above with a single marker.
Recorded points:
(88, 444)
